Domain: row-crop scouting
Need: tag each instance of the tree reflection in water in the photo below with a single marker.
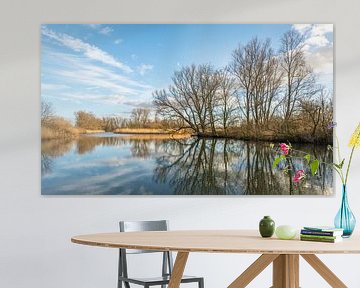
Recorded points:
(198, 166)
(51, 149)
(232, 167)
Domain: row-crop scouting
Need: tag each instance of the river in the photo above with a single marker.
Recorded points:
(113, 164)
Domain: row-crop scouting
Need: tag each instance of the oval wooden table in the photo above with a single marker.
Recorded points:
(284, 254)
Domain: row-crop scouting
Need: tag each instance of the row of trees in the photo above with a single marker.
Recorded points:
(139, 118)
(260, 92)
(54, 126)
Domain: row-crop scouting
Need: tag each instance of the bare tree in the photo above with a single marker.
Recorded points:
(228, 106)
(191, 98)
(269, 89)
(113, 122)
(299, 78)
(47, 112)
(140, 117)
(241, 67)
(258, 76)
(317, 112)
(88, 120)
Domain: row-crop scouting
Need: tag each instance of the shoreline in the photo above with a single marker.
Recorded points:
(264, 138)
(148, 131)
(162, 133)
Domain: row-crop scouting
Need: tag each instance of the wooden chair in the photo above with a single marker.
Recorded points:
(167, 263)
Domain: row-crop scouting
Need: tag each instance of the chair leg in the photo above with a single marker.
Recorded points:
(201, 283)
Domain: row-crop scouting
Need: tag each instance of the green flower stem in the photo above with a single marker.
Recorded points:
(338, 171)
(338, 148)
(348, 166)
(339, 160)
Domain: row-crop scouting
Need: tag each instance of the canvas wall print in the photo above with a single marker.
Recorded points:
(185, 109)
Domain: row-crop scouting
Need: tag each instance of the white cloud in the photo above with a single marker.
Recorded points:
(315, 34)
(302, 28)
(95, 81)
(94, 26)
(118, 41)
(143, 68)
(96, 98)
(321, 60)
(321, 29)
(87, 81)
(318, 49)
(52, 87)
(106, 30)
(317, 41)
(139, 104)
(90, 51)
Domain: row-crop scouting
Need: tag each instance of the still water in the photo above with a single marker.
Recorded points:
(111, 164)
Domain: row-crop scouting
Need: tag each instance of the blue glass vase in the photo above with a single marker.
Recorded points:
(345, 219)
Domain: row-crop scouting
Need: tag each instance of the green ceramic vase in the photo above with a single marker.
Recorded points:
(267, 227)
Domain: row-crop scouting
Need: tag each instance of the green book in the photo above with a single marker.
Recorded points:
(323, 228)
(319, 236)
(325, 240)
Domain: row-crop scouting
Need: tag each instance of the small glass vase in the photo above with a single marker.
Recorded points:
(345, 219)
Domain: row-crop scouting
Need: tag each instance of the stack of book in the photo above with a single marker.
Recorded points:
(321, 234)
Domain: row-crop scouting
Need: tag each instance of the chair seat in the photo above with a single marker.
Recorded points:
(158, 280)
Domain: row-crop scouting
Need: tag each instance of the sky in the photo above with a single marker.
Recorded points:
(110, 69)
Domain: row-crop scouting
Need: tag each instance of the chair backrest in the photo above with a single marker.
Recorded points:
(134, 226)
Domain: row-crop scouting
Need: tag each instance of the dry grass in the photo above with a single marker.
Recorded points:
(148, 131)
(86, 131)
(155, 136)
(58, 127)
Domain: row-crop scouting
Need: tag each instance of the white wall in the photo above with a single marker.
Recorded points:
(35, 231)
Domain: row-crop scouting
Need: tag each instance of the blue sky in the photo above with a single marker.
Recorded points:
(111, 69)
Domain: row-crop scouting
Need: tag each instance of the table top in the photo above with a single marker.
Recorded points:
(217, 241)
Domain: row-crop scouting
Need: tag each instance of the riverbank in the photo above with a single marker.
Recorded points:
(148, 131)
(268, 137)
(264, 136)
(146, 137)
(64, 131)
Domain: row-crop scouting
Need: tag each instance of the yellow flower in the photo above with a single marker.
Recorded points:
(355, 138)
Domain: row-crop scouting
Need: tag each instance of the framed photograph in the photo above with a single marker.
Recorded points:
(185, 109)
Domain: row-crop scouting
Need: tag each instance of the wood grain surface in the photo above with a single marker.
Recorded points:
(217, 241)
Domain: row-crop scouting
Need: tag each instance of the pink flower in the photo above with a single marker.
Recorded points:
(300, 174)
(284, 148)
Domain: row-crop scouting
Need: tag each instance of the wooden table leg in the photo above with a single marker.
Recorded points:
(178, 269)
(253, 270)
(286, 271)
(324, 271)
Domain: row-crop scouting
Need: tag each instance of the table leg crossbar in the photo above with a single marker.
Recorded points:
(254, 270)
(285, 271)
(324, 271)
